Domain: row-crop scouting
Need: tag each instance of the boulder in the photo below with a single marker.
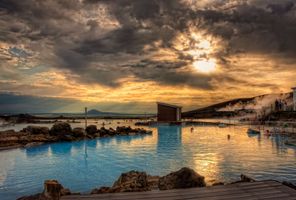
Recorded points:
(60, 128)
(10, 138)
(184, 178)
(153, 181)
(35, 130)
(78, 132)
(132, 181)
(123, 130)
(111, 132)
(52, 189)
(103, 131)
(91, 129)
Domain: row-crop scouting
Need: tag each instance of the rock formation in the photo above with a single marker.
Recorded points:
(183, 178)
(132, 181)
(60, 128)
(135, 181)
(36, 130)
(60, 131)
(53, 190)
(91, 129)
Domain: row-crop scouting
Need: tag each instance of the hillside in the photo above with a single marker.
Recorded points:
(95, 112)
(240, 106)
(215, 110)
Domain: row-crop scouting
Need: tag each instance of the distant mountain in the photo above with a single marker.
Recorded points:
(235, 106)
(100, 113)
(94, 112)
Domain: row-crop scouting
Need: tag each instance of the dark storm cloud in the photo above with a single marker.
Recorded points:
(281, 9)
(253, 29)
(142, 22)
(71, 35)
(153, 71)
(126, 39)
(14, 103)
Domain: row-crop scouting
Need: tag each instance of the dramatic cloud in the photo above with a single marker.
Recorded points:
(93, 47)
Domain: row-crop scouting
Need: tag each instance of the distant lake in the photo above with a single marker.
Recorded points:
(84, 165)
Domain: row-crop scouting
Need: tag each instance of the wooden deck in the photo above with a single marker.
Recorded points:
(263, 190)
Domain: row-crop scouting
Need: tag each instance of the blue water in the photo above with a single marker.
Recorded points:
(84, 165)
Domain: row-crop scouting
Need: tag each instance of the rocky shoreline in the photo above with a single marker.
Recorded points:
(61, 131)
(134, 181)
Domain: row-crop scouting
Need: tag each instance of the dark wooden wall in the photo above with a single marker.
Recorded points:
(166, 113)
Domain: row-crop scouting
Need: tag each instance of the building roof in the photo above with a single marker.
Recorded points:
(169, 105)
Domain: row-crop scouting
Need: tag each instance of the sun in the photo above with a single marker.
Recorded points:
(205, 66)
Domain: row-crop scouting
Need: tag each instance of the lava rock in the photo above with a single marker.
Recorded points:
(153, 181)
(35, 130)
(132, 181)
(184, 178)
(78, 132)
(123, 130)
(91, 129)
(104, 132)
(60, 128)
(111, 132)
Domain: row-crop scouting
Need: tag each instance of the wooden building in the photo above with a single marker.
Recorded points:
(294, 98)
(168, 113)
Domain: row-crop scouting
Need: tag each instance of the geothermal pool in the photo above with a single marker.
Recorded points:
(84, 165)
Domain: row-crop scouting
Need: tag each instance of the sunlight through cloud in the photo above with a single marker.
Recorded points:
(205, 66)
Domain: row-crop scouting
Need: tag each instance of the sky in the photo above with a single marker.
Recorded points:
(124, 55)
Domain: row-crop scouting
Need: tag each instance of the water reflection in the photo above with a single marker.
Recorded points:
(92, 143)
(128, 139)
(169, 136)
(61, 148)
(41, 150)
(78, 145)
(86, 164)
(277, 143)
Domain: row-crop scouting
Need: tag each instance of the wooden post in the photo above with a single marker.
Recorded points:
(52, 189)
